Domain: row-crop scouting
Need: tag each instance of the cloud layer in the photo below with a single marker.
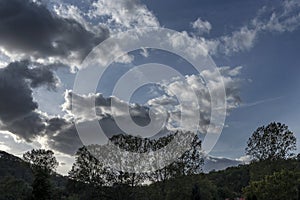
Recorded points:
(20, 114)
(195, 85)
(18, 109)
(123, 14)
(29, 30)
(284, 17)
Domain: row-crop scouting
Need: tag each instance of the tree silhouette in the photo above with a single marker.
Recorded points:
(192, 160)
(43, 164)
(87, 168)
(41, 158)
(272, 142)
(90, 163)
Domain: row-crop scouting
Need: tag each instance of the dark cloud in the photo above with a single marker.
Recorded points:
(27, 126)
(31, 29)
(63, 136)
(19, 112)
(17, 108)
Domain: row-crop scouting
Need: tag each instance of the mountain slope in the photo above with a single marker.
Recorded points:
(11, 165)
(217, 164)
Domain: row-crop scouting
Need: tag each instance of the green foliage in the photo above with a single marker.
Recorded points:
(231, 181)
(280, 185)
(258, 170)
(272, 142)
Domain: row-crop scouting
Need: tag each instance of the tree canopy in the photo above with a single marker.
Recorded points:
(271, 142)
(41, 158)
(89, 168)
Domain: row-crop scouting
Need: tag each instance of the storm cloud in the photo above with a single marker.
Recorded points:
(18, 109)
(31, 30)
(62, 135)
(19, 113)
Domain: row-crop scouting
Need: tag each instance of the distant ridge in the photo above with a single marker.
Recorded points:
(217, 164)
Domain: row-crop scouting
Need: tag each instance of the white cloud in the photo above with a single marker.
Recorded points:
(70, 12)
(192, 46)
(123, 14)
(4, 147)
(239, 40)
(263, 101)
(201, 26)
(285, 18)
(126, 58)
(65, 162)
(15, 145)
(195, 85)
(73, 12)
(83, 107)
(144, 52)
(4, 59)
(244, 159)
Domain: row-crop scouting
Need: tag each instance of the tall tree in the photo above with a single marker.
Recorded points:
(189, 163)
(192, 160)
(43, 164)
(275, 141)
(87, 168)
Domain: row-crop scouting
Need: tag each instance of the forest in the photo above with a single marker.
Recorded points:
(272, 174)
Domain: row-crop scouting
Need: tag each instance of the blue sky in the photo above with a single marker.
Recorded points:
(272, 65)
(259, 39)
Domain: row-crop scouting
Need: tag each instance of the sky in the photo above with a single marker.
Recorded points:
(43, 44)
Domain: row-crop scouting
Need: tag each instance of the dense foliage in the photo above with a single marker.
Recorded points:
(275, 141)
(278, 186)
(240, 181)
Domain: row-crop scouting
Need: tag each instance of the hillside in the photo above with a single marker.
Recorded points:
(13, 166)
(16, 179)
